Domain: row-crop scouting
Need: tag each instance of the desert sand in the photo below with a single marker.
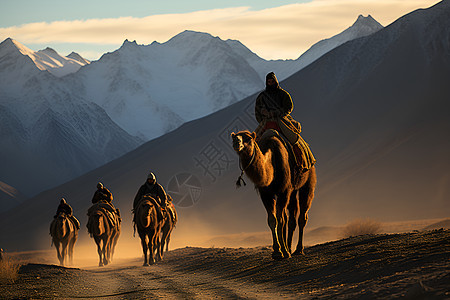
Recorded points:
(412, 265)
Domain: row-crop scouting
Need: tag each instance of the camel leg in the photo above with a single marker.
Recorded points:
(165, 241)
(158, 243)
(281, 224)
(98, 241)
(64, 252)
(107, 250)
(305, 197)
(115, 239)
(269, 203)
(168, 240)
(58, 252)
(144, 249)
(152, 243)
(293, 209)
(71, 246)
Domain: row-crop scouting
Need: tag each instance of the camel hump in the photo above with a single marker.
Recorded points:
(270, 133)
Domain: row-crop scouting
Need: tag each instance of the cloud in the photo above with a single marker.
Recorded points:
(282, 32)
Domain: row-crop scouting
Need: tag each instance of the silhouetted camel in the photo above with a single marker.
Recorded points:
(167, 225)
(64, 235)
(148, 227)
(280, 187)
(104, 227)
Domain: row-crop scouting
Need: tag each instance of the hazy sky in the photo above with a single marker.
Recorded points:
(272, 29)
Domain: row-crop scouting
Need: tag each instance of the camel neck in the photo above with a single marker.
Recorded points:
(259, 169)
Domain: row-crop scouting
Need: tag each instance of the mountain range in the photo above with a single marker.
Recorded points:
(374, 110)
(63, 116)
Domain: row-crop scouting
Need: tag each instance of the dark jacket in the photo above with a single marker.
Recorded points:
(277, 102)
(155, 190)
(278, 106)
(65, 208)
(102, 194)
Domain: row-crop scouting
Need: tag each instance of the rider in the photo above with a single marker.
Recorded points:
(155, 190)
(103, 194)
(64, 207)
(272, 111)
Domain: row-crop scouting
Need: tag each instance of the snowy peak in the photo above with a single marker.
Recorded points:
(78, 57)
(49, 51)
(50, 60)
(190, 39)
(45, 60)
(10, 46)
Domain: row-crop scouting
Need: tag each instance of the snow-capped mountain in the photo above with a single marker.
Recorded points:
(48, 59)
(150, 90)
(48, 135)
(363, 26)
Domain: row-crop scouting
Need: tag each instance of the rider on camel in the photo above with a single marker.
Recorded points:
(155, 190)
(104, 195)
(64, 207)
(272, 111)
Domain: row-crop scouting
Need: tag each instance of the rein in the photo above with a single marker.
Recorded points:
(238, 182)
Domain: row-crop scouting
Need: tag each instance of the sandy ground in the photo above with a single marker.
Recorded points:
(412, 265)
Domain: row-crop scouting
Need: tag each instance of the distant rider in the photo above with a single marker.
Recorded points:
(103, 194)
(155, 190)
(65, 208)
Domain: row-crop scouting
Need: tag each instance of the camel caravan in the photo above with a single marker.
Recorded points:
(154, 220)
(275, 158)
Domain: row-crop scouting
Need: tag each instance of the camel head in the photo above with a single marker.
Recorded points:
(243, 140)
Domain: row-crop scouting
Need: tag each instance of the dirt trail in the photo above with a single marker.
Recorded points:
(412, 266)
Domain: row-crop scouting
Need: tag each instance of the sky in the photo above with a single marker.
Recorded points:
(272, 29)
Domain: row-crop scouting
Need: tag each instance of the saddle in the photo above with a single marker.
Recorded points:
(107, 209)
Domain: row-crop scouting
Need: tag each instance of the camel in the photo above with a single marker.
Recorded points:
(167, 225)
(64, 235)
(148, 227)
(105, 229)
(280, 187)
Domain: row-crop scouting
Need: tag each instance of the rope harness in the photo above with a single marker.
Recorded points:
(238, 182)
